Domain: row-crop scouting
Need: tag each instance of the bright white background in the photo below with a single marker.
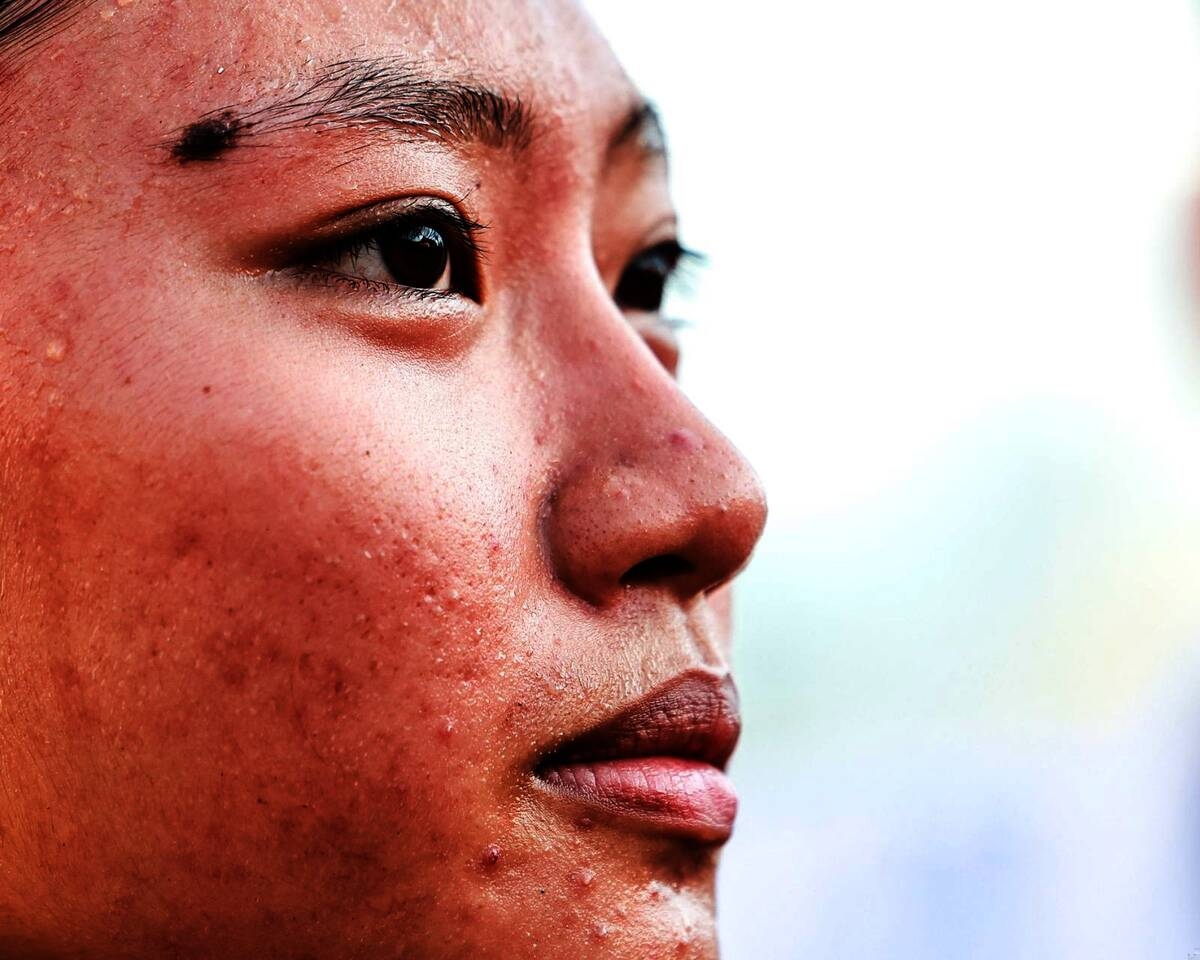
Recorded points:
(949, 317)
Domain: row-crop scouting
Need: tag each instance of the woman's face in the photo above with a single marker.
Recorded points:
(344, 488)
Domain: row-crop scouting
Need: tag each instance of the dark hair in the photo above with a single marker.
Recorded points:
(25, 23)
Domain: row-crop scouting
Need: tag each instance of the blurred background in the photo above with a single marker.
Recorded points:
(950, 316)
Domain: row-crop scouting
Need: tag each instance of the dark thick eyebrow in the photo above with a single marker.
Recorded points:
(384, 93)
(26, 23)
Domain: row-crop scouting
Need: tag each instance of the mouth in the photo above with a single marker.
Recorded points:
(658, 765)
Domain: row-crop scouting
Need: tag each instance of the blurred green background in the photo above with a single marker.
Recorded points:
(950, 316)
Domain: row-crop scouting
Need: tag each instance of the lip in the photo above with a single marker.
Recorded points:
(658, 765)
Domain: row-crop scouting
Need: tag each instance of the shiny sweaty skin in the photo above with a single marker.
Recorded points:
(299, 578)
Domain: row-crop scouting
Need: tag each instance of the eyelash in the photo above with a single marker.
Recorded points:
(461, 234)
(648, 277)
(642, 286)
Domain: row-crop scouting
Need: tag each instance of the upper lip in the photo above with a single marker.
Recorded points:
(693, 716)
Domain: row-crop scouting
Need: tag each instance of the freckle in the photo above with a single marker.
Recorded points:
(128, 381)
(65, 674)
(491, 857)
(56, 350)
(234, 674)
(206, 389)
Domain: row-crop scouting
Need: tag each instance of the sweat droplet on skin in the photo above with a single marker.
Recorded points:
(600, 931)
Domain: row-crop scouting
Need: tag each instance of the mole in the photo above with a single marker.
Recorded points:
(207, 139)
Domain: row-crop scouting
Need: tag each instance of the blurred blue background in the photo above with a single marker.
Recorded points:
(950, 317)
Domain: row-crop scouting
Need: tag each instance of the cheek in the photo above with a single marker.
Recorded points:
(308, 606)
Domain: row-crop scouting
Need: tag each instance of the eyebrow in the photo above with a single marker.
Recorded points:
(26, 23)
(642, 129)
(382, 92)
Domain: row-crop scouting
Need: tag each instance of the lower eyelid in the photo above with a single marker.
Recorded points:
(378, 294)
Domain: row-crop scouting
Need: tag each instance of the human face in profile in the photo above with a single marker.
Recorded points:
(361, 563)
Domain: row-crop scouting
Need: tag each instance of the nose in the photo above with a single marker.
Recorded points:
(649, 493)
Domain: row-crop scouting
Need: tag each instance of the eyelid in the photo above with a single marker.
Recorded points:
(311, 240)
(355, 232)
(358, 225)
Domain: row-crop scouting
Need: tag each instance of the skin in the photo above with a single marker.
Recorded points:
(296, 584)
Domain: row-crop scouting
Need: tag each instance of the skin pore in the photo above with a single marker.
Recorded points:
(312, 545)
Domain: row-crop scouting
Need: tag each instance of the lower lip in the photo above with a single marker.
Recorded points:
(662, 794)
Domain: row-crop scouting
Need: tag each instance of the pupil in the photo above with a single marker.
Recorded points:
(415, 255)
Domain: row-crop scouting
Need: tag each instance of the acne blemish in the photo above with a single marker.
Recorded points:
(685, 441)
(207, 139)
(490, 858)
(56, 350)
(582, 878)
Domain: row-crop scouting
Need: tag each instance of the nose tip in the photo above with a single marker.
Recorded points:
(681, 511)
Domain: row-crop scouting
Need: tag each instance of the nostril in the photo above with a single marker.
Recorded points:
(668, 566)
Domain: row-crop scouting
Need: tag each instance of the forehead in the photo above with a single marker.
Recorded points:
(158, 64)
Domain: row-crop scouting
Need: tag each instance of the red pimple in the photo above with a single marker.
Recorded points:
(685, 441)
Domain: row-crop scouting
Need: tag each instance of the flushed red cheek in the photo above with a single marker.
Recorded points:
(305, 647)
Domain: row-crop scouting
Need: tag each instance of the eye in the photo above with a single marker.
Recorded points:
(644, 281)
(416, 255)
(424, 250)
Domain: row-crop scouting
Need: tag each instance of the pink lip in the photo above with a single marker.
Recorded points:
(658, 765)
